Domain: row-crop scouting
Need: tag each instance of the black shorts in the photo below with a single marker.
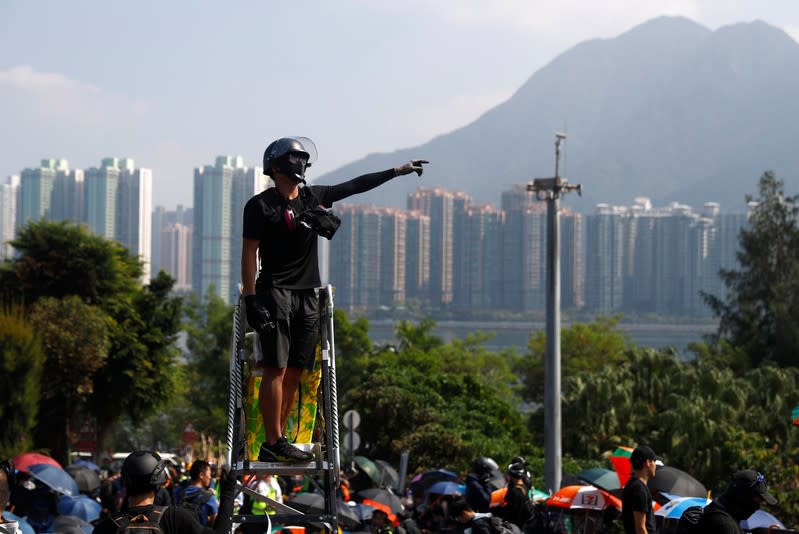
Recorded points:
(292, 343)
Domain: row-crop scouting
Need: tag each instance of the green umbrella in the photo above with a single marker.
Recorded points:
(368, 466)
(600, 477)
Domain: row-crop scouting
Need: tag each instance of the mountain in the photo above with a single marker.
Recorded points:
(670, 110)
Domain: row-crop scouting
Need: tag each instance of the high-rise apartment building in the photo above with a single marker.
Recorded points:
(51, 191)
(479, 280)
(9, 191)
(172, 242)
(356, 258)
(220, 192)
(443, 207)
(417, 256)
(524, 250)
(119, 206)
(572, 267)
(604, 276)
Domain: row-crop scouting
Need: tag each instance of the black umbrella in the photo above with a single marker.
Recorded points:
(383, 496)
(87, 480)
(388, 475)
(422, 481)
(674, 482)
(314, 503)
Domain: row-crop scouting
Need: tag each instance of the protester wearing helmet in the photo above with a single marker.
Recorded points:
(744, 495)
(517, 505)
(143, 472)
(478, 492)
(281, 225)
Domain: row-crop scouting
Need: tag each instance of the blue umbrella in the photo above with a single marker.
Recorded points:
(82, 506)
(675, 508)
(446, 487)
(86, 463)
(56, 478)
(24, 526)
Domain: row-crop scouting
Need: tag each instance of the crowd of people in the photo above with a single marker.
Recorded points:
(147, 490)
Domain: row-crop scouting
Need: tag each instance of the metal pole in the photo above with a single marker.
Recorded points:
(550, 189)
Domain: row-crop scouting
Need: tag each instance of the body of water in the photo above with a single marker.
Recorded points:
(517, 334)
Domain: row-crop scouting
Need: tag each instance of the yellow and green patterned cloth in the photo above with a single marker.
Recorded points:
(297, 431)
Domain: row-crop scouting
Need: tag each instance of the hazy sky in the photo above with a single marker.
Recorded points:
(175, 83)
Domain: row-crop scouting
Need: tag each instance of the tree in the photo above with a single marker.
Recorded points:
(584, 347)
(760, 312)
(139, 377)
(75, 342)
(209, 326)
(58, 259)
(21, 360)
(445, 403)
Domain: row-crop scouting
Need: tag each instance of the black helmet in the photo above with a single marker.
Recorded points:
(519, 470)
(483, 465)
(279, 148)
(143, 471)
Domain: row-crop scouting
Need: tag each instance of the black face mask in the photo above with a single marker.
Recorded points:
(293, 165)
(742, 504)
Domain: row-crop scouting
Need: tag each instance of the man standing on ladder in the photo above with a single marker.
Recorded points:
(281, 226)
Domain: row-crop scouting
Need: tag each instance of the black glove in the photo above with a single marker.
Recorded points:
(227, 494)
(257, 315)
(412, 166)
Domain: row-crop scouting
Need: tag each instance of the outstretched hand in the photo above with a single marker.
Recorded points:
(412, 166)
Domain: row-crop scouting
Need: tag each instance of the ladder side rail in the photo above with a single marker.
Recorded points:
(334, 456)
(329, 480)
(234, 386)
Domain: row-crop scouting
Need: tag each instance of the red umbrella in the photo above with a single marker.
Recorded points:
(27, 459)
(621, 463)
(583, 498)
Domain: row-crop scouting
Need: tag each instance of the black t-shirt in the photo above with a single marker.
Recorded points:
(289, 256)
(636, 498)
(715, 520)
(516, 508)
(175, 520)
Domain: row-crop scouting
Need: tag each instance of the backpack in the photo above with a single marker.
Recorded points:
(689, 521)
(500, 526)
(139, 524)
(195, 502)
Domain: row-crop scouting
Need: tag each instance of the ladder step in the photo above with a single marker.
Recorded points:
(278, 468)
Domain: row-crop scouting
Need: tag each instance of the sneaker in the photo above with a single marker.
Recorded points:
(282, 451)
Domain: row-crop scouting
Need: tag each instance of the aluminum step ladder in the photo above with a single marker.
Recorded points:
(325, 464)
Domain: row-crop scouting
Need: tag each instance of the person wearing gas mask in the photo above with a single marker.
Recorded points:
(281, 225)
(744, 495)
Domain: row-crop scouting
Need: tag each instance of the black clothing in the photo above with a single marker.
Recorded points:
(477, 495)
(480, 524)
(176, 520)
(292, 340)
(636, 498)
(516, 507)
(288, 251)
(716, 520)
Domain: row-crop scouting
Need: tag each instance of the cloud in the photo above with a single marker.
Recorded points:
(31, 95)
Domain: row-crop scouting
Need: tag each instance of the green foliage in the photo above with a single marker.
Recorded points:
(21, 361)
(584, 347)
(445, 403)
(208, 325)
(760, 312)
(75, 342)
(353, 348)
(58, 259)
(138, 377)
(700, 417)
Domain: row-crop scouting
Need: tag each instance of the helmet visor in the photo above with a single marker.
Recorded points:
(308, 146)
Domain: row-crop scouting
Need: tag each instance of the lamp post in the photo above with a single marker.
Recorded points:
(550, 190)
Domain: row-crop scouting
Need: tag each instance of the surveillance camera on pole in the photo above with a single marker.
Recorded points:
(550, 189)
